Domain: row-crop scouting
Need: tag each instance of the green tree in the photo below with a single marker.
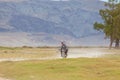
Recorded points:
(111, 24)
(117, 25)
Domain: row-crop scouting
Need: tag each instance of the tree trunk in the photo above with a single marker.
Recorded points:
(111, 42)
(117, 43)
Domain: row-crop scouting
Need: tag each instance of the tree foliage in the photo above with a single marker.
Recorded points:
(111, 22)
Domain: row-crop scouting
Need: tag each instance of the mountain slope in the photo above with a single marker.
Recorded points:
(55, 20)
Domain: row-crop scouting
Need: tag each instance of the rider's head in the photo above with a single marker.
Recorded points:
(62, 43)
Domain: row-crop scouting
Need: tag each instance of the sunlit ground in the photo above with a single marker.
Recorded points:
(46, 64)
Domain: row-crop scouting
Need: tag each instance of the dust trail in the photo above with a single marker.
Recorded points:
(73, 53)
(89, 53)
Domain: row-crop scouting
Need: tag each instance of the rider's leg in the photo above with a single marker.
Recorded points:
(66, 52)
(61, 53)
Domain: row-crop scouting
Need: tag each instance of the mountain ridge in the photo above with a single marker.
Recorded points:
(67, 20)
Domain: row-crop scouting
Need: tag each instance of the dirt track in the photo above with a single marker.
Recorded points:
(73, 53)
(87, 52)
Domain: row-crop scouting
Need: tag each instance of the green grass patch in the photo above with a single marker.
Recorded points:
(62, 69)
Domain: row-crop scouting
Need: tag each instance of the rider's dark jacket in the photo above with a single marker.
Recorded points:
(64, 48)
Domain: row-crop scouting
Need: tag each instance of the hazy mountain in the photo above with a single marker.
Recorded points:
(47, 22)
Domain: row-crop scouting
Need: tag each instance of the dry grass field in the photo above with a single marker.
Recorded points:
(105, 67)
(30, 53)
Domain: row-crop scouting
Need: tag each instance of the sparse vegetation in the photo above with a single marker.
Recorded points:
(106, 68)
(27, 52)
